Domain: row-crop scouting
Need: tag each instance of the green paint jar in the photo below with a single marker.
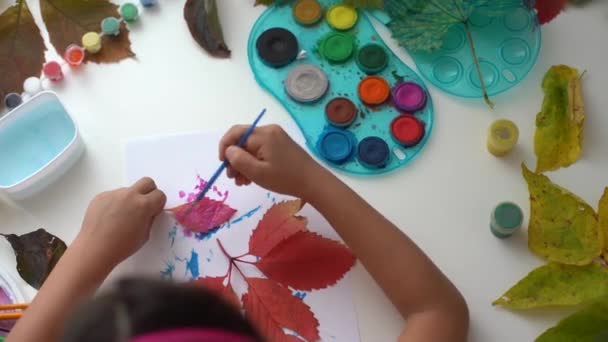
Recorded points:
(372, 58)
(506, 219)
(129, 12)
(337, 47)
(110, 26)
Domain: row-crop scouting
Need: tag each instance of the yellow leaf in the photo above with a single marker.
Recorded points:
(602, 213)
(563, 228)
(559, 125)
(557, 285)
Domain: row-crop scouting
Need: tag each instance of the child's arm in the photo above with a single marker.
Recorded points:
(433, 307)
(116, 225)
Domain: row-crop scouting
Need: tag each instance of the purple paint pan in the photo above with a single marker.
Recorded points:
(409, 97)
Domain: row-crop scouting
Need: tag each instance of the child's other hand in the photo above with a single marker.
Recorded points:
(117, 223)
(271, 159)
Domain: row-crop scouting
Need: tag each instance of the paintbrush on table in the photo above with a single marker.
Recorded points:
(222, 167)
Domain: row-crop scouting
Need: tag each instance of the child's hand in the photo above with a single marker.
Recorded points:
(271, 159)
(117, 223)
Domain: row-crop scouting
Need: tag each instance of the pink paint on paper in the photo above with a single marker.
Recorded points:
(204, 215)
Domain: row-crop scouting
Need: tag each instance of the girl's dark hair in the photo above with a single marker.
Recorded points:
(139, 306)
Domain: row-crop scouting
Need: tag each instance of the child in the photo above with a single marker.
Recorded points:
(151, 311)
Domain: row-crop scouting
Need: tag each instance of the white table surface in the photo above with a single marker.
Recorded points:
(442, 200)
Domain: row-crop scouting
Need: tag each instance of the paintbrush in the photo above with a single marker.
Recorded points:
(12, 315)
(222, 167)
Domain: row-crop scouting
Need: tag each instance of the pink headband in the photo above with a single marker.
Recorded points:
(192, 335)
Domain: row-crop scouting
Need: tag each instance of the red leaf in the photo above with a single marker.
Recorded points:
(204, 216)
(549, 9)
(278, 224)
(272, 307)
(216, 284)
(307, 261)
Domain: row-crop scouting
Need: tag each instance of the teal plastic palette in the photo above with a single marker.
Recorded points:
(360, 108)
(507, 48)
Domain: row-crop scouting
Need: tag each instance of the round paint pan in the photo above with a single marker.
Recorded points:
(277, 47)
(373, 152)
(306, 83)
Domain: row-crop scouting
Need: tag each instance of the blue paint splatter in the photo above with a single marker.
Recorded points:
(300, 295)
(167, 273)
(207, 235)
(192, 265)
(268, 195)
(172, 234)
(210, 255)
(246, 215)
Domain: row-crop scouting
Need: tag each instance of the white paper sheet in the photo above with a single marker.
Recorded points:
(174, 163)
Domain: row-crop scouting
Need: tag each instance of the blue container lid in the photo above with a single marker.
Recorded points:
(373, 152)
(336, 146)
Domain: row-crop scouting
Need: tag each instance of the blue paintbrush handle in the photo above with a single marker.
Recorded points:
(222, 167)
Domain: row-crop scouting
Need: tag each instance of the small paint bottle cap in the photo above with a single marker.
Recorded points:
(337, 47)
(336, 146)
(409, 97)
(342, 17)
(374, 90)
(52, 70)
(277, 47)
(91, 42)
(506, 218)
(12, 100)
(129, 12)
(502, 137)
(372, 58)
(340, 112)
(306, 83)
(373, 152)
(148, 3)
(110, 26)
(32, 86)
(307, 12)
(74, 55)
(407, 130)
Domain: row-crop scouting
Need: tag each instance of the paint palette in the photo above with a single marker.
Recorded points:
(507, 48)
(359, 107)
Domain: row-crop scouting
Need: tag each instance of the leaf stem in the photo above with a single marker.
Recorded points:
(486, 97)
(245, 261)
(232, 261)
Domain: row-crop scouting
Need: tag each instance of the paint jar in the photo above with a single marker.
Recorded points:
(306, 83)
(506, 219)
(342, 17)
(374, 90)
(336, 146)
(340, 112)
(407, 130)
(52, 70)
(372, 58)
(502, 137)
(307, 12)
(409, 97)
(74, 55)
(373, 152)
(277, 47)
(337, 47)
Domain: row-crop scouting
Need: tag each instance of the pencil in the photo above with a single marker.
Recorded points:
(13, 306)
(10, 316)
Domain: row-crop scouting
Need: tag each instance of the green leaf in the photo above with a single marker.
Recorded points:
(204, 25)
(68, 20)
(602, 213)
(37, 254)
(563, 228)
(559, 125)
(365, 3)
(421, 25)
(587, 325)
(557, 285)
(21, 48)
